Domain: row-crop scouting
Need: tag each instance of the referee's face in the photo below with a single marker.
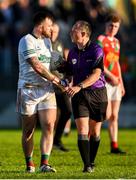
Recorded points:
(78, 36)
(47, 28)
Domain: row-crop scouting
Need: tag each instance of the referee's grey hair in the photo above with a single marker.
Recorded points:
(84, 26)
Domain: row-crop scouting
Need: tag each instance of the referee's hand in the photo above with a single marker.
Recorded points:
(71, 91)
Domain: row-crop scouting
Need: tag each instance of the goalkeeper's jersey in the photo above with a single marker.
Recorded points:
(30, 46)
(111, 50)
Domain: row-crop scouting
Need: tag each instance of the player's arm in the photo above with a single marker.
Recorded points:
(121, 80)
(112, 77)
(40, 69)
(99, 40)
(43, 71)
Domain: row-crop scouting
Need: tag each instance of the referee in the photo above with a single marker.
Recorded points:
(89, 97)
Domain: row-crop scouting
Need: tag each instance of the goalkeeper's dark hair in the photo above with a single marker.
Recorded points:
(40, 16)
(113, 17)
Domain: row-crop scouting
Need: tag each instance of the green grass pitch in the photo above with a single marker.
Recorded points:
(68, 164)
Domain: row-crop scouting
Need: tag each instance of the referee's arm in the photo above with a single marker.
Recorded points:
(92, 78)
(95, 74)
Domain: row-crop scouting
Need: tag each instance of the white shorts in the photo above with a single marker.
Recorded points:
(113, 92)
(31, 100)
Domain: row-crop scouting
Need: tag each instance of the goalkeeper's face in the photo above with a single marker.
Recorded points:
(47, 26)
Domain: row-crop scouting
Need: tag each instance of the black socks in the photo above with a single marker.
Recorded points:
(94, 145)
(84, 149)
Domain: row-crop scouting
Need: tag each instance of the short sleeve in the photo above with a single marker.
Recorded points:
(98, 57)
(27, 48)
(100, 40)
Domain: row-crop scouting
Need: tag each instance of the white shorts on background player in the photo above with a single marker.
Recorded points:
(113, 92)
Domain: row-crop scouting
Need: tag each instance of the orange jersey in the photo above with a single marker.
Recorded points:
(111, 50)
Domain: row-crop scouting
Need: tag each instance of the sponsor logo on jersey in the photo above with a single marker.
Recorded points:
(44, 59)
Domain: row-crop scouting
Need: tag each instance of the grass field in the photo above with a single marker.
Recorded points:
(68, 165)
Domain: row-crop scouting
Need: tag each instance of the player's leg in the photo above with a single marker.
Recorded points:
(109, 118)
(26, 108)
(47, 120)
(114, 98)
(47, 116)
(57, 118)
(113, 128)
(113, 121)
(28, 127)
(67, 127)
(109, 110)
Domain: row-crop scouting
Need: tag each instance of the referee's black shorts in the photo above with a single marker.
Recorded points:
(90, 103)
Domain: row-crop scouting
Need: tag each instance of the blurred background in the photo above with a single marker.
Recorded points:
(16, 21)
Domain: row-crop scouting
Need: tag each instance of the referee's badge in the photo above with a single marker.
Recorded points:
(74, 61)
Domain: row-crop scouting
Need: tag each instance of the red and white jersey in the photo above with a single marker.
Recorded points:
(30, 46)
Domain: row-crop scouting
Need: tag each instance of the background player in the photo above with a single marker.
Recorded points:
(114, 85)
(63, 100)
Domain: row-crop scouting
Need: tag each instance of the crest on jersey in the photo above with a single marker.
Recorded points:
(74, 61)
